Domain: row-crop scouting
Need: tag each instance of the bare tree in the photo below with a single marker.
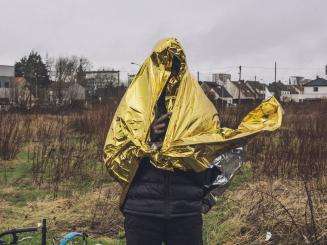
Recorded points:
(65, 69)
(69, 70)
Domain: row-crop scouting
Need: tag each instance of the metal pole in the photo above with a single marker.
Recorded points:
(275, 71)
(15, 238)
(239, 88)
(44, 232)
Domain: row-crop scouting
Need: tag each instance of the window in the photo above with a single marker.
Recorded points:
(6, 84)
(315, 89)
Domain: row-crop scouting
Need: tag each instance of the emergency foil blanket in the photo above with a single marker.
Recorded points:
(193, 138)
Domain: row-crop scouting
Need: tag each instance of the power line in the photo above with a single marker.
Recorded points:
(283, 68)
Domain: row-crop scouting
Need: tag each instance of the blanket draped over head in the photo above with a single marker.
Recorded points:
(193, 137)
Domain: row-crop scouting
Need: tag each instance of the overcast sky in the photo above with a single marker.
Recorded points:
(218, 35)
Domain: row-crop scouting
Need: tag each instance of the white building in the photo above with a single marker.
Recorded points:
(316, 89)
(7, 76)
(291, 93)
(102, 79)
(221, 77)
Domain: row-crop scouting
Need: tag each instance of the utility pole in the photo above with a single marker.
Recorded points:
(198, 74)
(255, 78)
(239, 88)
(275, 71)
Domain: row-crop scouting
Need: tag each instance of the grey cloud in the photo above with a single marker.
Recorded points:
(216, 34)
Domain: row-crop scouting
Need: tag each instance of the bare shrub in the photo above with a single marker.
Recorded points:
(14, 129)
(95, 123)
(62, 161)
(298, 149)
(67, 151)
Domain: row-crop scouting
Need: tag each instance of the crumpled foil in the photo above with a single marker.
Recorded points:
(228, 163)
(194, 136)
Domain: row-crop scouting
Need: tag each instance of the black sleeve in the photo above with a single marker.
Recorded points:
(207, 177)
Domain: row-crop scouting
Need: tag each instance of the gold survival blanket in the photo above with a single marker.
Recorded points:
(193, 137)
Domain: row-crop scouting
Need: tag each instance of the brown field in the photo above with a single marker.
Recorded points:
(51, 166)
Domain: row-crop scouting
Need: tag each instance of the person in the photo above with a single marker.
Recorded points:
(162, 140)
(161, 205)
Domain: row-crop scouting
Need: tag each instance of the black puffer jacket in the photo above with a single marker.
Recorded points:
(166, 194)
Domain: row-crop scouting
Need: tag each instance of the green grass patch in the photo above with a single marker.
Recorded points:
(20, 196)
(221, 223)
(244, 175)
(24, 156)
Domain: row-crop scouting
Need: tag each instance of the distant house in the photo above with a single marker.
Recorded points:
(303, 90)
(239, 91)
(57, 91)
(295, 80)
(279, 90)
(286, 92)
(221, 77)
(217, 93)
(291, 93)
(75, 92)
(102, 78)
(303, 82)
(315, 89)
(7, 76)
(298, 80)
(258, 88)
(66, 93)
(21, 93)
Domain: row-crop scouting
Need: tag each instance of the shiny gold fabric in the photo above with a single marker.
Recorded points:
(194, 136)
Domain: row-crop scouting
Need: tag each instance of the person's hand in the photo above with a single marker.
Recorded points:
(208, 202)
(158, 130)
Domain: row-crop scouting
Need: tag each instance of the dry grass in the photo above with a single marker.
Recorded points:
(14, 132)
(245, 215)
(95, 212)
(62, 177)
